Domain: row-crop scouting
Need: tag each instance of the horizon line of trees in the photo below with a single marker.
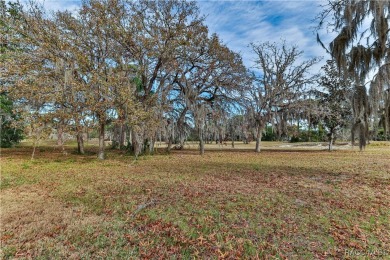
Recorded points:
(150, 70)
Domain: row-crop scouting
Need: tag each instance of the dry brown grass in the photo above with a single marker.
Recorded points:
(287, 202)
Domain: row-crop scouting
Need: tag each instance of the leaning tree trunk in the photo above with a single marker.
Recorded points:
(101, 141)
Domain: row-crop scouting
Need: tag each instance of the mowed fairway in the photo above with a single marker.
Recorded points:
(281, 203)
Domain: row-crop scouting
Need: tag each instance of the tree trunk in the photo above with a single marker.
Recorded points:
(34, 149)
(169, 147)
(201, 141)
(151, 145)
(137, 142)
(201, 146)
(60, 137)
(101, 141)
(130, 138)
(115, 136)
(362, 136)
(122, 135)
(353, 130)
(181, 141)
(279, 131)
(60, 134)
(181, 127)
(170, 136)
(331, 136)
(87, 128)
(80, 142)
(258, 138)
(246, 141)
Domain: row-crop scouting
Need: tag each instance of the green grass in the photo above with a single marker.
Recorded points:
(282, 203)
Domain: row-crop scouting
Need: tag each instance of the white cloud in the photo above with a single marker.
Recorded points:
(240, 23)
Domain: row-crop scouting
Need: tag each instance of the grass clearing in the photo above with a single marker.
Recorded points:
(286, 202)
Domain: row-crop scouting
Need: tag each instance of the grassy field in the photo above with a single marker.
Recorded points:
(285, 203)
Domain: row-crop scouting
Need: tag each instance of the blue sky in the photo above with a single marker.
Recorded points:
(238, 23)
